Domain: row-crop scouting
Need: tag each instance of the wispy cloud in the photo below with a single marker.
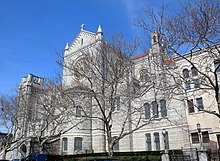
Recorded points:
(134, 8)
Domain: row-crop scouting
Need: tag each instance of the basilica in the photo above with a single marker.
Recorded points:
(148, 102)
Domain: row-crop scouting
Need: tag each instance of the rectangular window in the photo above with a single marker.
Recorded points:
(196, 83)
(148, 142)
(78, 143)
(65, 144)
(195, 138)
(147, 110)
(187, 86)
(155, 109)
(199, 104)
(166, 140)
(205, 137)
(190, 106)
(163, 108)
(116, 147)
(157, 140)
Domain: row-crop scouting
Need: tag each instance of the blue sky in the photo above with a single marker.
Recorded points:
(33, 31)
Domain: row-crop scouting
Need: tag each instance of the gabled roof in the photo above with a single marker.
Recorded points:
(139, 56)
(168, 62)
(83, 39)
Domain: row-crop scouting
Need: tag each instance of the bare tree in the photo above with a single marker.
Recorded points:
(105, 75)
(193, 29)
(9, 119)
(49, 117)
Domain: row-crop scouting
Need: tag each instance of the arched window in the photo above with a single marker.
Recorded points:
(65, 144)
(155, 109)
(186, 73)
(163, 108)
(194, 71)
(78, 144)
(144, 75)
(78, 111)
(147, 110)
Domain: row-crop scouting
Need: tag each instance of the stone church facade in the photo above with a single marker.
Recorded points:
(175, 117)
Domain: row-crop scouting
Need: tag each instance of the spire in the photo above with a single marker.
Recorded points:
(82, 26)
(99, 33)
(99, 30)
(67, 46)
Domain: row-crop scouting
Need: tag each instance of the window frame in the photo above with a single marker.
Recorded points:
(190, 105)
(163, 108)
(148, 142)
(147, 111)
(166, 140)
(187, 85)
(65, 144)
(205, 137)
(195, 138)
(157, 140)
(200, 105)
(155, 109)
(78, 141)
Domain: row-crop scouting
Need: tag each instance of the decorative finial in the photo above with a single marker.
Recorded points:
(99, 29)
(67, 46)
(82, 26)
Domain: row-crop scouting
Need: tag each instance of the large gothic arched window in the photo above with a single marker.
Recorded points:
(144, 77)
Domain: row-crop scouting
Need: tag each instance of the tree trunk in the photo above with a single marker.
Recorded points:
(41, 148)
(4, 154)
(110, 149)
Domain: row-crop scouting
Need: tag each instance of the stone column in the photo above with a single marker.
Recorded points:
(202, 154)
(165, 155)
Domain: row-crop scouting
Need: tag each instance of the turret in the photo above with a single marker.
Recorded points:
(99, 33)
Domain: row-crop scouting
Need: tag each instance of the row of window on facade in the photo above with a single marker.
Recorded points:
(194, 70)
(152, 110)
(194, 73)
(77, 144)
(195, 82)
(156, 144)
(204, 137)
(198, 105)
(186, 72)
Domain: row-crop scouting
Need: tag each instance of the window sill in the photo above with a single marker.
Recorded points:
(195, 113)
